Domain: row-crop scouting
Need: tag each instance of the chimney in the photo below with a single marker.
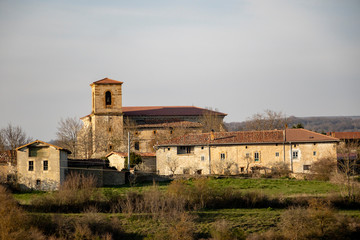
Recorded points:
(212, 135)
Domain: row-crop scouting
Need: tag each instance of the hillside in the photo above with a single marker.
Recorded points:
(318, 124)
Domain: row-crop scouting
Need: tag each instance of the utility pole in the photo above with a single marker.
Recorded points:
(129, 151)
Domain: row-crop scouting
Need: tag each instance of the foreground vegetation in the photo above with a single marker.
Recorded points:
(200, 208)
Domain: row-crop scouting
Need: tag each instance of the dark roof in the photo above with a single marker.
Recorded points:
(169, 124)
(41, 143)
(81, 163)
(345, 135)
(250, 137)
(107, 81)
(167, 111)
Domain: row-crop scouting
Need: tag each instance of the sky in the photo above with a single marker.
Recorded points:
(300, 57)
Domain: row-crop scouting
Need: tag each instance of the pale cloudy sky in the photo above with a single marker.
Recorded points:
(301, 57)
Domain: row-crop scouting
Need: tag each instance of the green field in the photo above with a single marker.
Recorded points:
(271, 187)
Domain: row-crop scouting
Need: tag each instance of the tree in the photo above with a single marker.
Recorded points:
(299, 125)
(211, 120)
(269, 120)
(12, 138)
(67, 133)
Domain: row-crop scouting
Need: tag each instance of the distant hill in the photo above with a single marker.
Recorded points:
(317, 124)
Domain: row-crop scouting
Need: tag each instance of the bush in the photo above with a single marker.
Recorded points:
(222, 230)
(323, 169)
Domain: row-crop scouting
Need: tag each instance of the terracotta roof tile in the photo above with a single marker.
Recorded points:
(250, 137)
(37, 142)
(345, 135)
(107, 81)
(167, 111)
(170, 124)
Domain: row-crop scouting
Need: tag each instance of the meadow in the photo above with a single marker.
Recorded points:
(195, 208)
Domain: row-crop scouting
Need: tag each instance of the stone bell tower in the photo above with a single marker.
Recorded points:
(105, 123)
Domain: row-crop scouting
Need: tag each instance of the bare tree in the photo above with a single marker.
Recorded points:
(12, 138)
(67, 133)
(172, 164)
(268, 120)
(211, 120)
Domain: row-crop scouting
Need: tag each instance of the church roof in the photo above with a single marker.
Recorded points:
(107, 81)
(167, 111)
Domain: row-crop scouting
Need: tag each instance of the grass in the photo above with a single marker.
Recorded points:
(271, 187)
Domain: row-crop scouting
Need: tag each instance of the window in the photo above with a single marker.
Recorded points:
(38, 182)
(185, 150)
(109, 129)
(202, 158)
(242, 169)
(314, 153)
(46, 165)
(108, 98)
(137, 146)
(277, 154)
(256, 156)
(202, 148)
(247, 155)
(306, 167)
(33, 151)
(110, 147)
(295, 154)
(168, 149)
(154, 131)
(222, 156)
(31, 165)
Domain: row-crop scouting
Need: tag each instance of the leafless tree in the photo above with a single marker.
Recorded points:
(348, 167)
(268, 120)
(212, 121)
(2, 142)
(67, 133)
(172, 164)
(13, 137)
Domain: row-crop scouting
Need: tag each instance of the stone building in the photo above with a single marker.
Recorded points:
(106, 128)
(41, 165)
(117, 160)
(242, 152)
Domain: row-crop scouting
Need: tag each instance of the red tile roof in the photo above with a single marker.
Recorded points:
(107, 81)
(125, 154)
(250, 137)
(170, 124)
(167, 111)
(345, 135)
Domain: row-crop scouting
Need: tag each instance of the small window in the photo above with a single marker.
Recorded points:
(110, 147)
(222, 156)
(202, 158)
(202, 148)
(294, 145)
(31, 165)
(46, 165)
(247, 155)
(168, 149)
(277, 154)
(306, 167)
(137, 146)
(38, 182)
(154, 131)
(108, 98)
(295, 154)
(109, 129)
(314, 153)
(171, 131)
(242, 169)
(33, 151)
(256, 156)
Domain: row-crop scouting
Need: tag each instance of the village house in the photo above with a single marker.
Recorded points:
(242, 152)
(41, 165)
(105, 129)
(118, 160)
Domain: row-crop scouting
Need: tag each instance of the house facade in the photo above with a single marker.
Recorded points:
(41, 165)
(243, 152)
(106, 128)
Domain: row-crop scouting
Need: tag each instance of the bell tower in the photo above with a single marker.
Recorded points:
(106, 96)
(106, 118)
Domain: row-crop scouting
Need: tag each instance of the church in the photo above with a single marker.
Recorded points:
(111, 127)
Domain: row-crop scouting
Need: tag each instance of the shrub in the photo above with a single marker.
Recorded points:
(222, 230)
(323, 169)
(280, 169)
